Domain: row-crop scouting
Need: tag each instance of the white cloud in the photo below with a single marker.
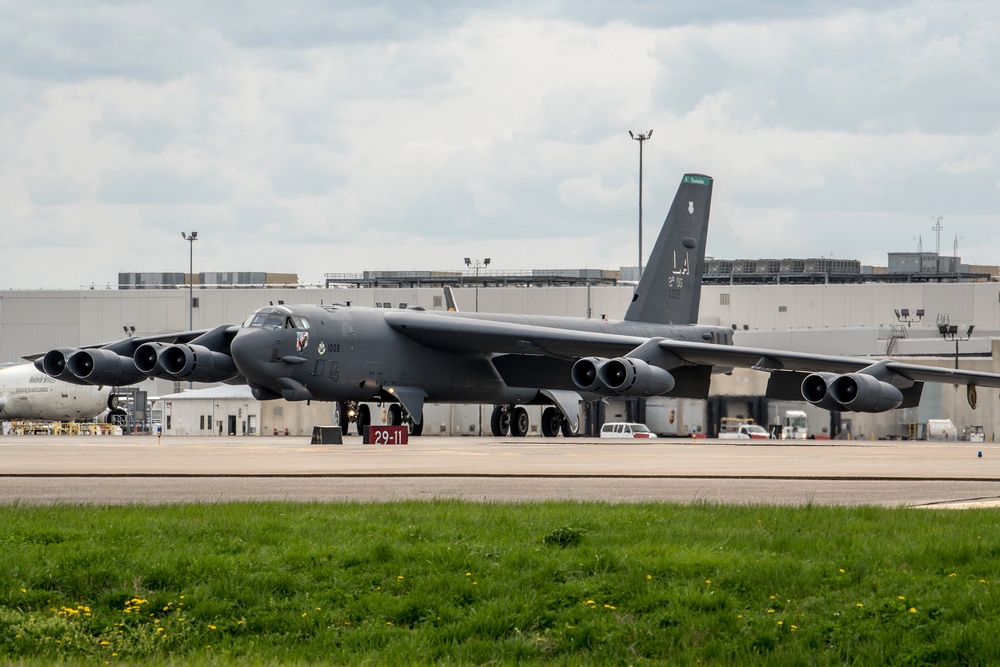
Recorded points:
(318, 138)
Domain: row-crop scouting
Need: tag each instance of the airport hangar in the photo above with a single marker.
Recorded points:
(836, 308)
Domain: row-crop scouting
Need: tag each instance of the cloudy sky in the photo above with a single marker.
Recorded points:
(327, 137)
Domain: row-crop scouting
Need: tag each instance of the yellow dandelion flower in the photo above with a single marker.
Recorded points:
(649, 576)
(24, 590)
(982, 581)
(794, 628)
(952, 575)
(211, 627)
(388, 622)
(913, 610)
(770, 611)
(781, 622)
(475, 583)
(399, 578)
(772, 597)
(468, 574)
(841, 570)
(708, 581)
(901, 597)
(859, 605)
(318, 609)
(303, 614)
(608, 606)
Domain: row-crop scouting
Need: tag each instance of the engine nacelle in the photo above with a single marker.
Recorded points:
(53, 364)
(197, 363)
(103, 367)
(147, 359)
(634, 377)
(816, 390)
(863, 393)
(585, 372)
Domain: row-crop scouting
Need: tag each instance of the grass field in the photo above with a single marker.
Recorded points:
(455, 582)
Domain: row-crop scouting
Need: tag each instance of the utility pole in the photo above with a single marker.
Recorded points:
(476, 266)
(190, 238)
(641, 138)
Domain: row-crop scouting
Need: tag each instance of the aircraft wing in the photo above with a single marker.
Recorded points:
(129, 345)
(458, 334)
(778, 360)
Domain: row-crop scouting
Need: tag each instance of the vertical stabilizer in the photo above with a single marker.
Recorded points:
(669, 291)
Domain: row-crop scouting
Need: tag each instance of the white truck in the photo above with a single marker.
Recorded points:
(742, 429)
(795, 426)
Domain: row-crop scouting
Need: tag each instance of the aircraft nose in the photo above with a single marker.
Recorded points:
(251, 351)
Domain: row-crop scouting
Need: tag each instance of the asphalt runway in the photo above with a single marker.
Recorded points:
(147, 470)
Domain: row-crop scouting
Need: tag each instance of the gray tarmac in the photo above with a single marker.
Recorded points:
(148, 470)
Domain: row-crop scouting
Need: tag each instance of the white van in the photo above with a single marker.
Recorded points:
(626, 430)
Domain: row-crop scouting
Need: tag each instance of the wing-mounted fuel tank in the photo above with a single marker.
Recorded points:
(873, 389)
(642, 372)
(207, 358)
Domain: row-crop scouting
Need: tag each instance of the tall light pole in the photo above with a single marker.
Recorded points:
(476, 265)
(190, 238)
(641, 138)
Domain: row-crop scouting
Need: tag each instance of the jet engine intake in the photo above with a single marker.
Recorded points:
(816, 390)
(859, 392)
(197, 363)
(148, 359)
(584, 374)
(629, 376)
(103, 367)
(854, 392)
(53, 364)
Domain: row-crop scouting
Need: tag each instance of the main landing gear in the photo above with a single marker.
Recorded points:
(360, 414)
(352, 411)
(513, 420)
(395, 415)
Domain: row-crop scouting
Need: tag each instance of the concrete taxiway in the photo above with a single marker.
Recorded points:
(144, 469)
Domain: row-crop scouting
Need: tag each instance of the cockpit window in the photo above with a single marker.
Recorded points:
(273, 320)
(255, 320)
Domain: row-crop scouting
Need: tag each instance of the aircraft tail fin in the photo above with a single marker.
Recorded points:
(449, 298)
(669, 290)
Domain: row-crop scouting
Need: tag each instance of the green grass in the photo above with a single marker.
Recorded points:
(454, 582)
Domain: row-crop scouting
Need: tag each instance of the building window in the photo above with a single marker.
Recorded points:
(724, 299)
(782, 309)
(202, 425)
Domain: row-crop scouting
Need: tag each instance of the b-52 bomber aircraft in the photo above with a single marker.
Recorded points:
(405, 358)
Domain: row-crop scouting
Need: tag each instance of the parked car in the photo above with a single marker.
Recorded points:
(626, 430)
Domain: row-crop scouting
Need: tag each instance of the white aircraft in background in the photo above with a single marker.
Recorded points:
(26, 393)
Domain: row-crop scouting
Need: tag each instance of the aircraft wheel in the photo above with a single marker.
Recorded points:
(394, 415)
(519, 423)
(567, 430)
(551, 422)
(344, 417)
(416, 429)
(364, 418)
(500, 421)
(113, 402)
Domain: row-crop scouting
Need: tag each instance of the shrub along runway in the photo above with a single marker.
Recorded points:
(125, 470)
